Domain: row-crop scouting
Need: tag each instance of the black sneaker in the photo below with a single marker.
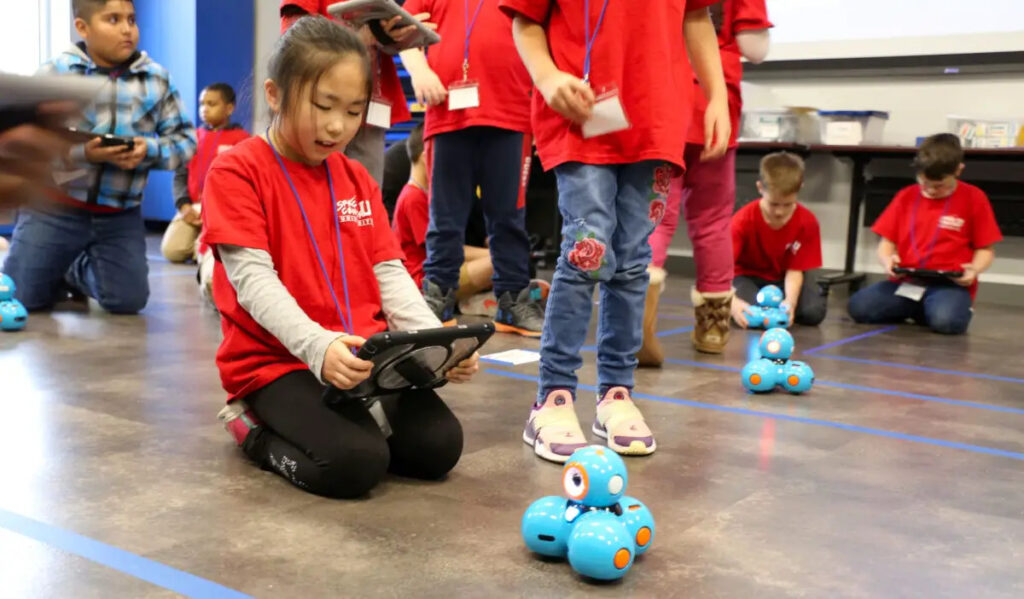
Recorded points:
(441, 302)
(523, 315)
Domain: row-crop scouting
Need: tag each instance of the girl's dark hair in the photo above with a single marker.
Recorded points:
(307, 50)
(227, 93)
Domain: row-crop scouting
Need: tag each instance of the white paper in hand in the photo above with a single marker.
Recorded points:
(608, 116)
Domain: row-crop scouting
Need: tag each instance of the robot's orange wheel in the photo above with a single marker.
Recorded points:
(755, 379)
(622, 558)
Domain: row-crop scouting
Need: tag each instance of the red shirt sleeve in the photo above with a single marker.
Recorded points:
(232, 210)
(750, 14)
(808, 257)
(535, 10)
(984, 229)
(888, 224)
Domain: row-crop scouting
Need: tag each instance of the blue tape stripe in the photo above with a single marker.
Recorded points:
(787, 418)
(123, 561)
(973, 375)
(849, 339)
(945, 400)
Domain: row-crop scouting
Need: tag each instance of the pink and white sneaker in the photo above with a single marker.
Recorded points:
(552, 429)
(622, 425)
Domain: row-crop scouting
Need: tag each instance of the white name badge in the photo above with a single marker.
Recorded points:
(463, 95)
(378, 113)
(910, 291)
(608, 116)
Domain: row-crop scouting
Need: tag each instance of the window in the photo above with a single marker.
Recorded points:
(33, 32)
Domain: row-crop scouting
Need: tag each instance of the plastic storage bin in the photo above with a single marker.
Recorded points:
(793, 125)
(986, 133)
(852, 127)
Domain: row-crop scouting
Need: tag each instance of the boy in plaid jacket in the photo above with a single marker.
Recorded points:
(88, 236)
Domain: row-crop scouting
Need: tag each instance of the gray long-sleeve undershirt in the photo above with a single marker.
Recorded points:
(262, 294)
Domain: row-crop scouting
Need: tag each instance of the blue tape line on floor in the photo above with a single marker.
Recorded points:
(785, 417)
(849, 339)
(908, 395)
(133, 565)
(973, 375)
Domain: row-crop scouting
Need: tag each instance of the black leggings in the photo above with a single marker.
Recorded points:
(340, 451)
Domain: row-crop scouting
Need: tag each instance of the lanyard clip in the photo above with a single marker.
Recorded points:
(465, 69)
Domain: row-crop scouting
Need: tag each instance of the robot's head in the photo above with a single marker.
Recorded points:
(6, 288)
(776, 344)
(770, 296)
(594, 476)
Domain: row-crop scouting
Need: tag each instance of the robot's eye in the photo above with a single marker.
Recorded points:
(574, 480)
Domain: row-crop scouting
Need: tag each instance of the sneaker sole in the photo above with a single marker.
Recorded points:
(635, 448)
(450, 323)
(507, 328)
(542, 450)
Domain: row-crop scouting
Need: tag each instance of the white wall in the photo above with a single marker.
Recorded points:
(918, 106)
(268, 29)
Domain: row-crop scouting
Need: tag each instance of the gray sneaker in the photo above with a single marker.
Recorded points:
(523, 315)
(441, 303)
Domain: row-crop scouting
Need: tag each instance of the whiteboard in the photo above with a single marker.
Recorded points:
(814, 29)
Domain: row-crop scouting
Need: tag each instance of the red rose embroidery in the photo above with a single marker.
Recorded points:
(662, 179)
(587, 255)
(657, 211)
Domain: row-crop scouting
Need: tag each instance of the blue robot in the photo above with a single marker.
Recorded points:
(767, 314)
(774, 368)
(13, 315)
(600, 530)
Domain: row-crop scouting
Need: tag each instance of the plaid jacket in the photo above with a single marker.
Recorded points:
(140, 101)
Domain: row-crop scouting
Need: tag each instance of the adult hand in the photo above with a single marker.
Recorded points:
(26, 156)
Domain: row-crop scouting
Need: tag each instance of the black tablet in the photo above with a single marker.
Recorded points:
(363, 12)
(413, 359)
(928, 274)
(106, 139)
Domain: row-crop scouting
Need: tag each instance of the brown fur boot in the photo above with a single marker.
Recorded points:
(651, 355)
(712, 310)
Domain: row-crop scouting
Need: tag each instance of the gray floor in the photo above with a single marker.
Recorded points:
(883, 481)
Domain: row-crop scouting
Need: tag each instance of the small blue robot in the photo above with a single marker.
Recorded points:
(774, 368)
(598, 528)
(767, 314)
(13, 315)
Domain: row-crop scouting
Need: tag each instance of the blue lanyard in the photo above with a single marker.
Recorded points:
(590, 38)
(470, 24)
(935, 235)
(345, 322)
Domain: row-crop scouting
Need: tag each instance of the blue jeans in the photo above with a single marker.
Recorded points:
(944, 308)
(101, 255)
(492, 158)
(608, 212)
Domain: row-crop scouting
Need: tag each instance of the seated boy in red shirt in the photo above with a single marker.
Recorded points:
(776, 241)
(939, 224)
(412, 217)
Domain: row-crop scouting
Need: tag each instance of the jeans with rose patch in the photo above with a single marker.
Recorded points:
(608, 212)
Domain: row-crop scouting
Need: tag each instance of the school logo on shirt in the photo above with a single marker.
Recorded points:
(355, 211)
(951, 223)
(793, 247)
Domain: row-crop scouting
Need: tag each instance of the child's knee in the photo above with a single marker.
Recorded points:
(860, 306)
(125, 301)
(949, 320)
(351, 472)
(590, 254)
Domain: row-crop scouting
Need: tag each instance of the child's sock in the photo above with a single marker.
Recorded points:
(238, 420)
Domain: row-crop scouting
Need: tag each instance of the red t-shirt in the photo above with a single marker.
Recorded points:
(412, 217)
(767, 253)
(640, 51)
(959, 225)
(211, 144)
(494, 63)
(737, 16)
(387, 74)
(249, 203)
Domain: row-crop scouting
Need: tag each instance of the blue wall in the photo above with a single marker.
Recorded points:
(200, 42)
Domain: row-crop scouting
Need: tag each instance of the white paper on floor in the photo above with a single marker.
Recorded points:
(514, 357)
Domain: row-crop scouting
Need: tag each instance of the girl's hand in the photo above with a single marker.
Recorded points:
(341, 367)
(428, 87)
(568, 96)
(739, 313)
(465, 370)
(717, 130)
